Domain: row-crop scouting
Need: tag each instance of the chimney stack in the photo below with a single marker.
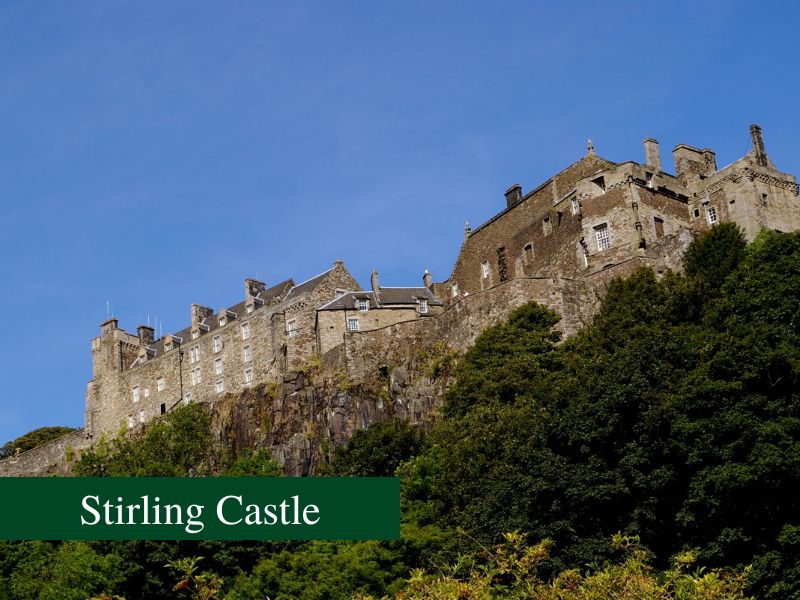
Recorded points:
(427, 280)
(199, 313)
(758, 145)
(513, 195)
(652, 154)
(374, 281)
(146, 335)
(253, 287)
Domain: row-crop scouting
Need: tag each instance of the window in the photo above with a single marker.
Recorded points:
(187, 398)
(247, 355)
(763, 199)
(223, 321)
(576, 208)
(248, 375)
(352, 325)
(527, 252)
(163, 408)
(195, 375)
(340, 292)
(195, 334)
(292, 327)
(711, 215)
(147, 392)
(217, 343)
(599, 185)
(218, 366)
(249, 308)
(141, 416)
(454, 289)
(131, 422)
(363, 304)
(603, 239)
(219, 386)
(547, 226)
(485, 269)
(194, 355)
(245, 331)
(160, 384)
(423, 305)
(136, 394)
(167, 346)
(696, 212)
(659, 225)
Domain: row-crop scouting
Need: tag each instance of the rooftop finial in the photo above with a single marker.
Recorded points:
(467, 229)
(590, 146)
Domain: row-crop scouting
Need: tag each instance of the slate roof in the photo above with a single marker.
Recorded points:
(268, 296)
(307, 286)
(388, 297)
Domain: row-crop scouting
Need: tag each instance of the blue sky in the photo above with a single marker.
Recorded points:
(154, 154)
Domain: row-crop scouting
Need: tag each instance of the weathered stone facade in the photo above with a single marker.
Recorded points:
(559, 244)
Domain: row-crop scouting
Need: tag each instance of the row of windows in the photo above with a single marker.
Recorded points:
(138, 392)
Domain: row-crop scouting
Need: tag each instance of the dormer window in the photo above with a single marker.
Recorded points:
(362, 304)
(245, 331)
(599, 185)
(249, 308)
(195, 334)
(167, 346)
(340, 292)
(423, 305)
(223, 321)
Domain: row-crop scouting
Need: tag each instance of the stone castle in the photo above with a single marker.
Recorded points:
(559, 244)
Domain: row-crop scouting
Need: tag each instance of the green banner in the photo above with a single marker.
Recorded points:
(203, 508)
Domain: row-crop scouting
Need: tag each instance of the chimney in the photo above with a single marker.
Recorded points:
(253, 287)
(652, 154)
(374, 281)
(758, 145)
(199, 313)
(146, 335)
(513, 195)
(427, 280)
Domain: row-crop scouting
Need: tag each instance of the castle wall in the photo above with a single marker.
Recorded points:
(47, 459)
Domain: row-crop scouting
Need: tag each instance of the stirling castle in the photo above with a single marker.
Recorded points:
(558, 244)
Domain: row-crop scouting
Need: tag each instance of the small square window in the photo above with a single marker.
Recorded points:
(136, 393)
(711, 215)
(352, 325)
(245, 331)
(248, 376)
(485, 269)
(423, 305)
(218, 366)
(247, 355)
(363, 304)
(696, 212)
(160, 384)
(217, 343)
(292, 328)
(219, 386)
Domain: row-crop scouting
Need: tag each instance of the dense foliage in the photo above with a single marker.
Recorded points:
(673, 420)
(32, 439)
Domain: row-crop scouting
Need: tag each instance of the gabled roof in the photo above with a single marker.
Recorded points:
(388, 297)
(307, 286)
